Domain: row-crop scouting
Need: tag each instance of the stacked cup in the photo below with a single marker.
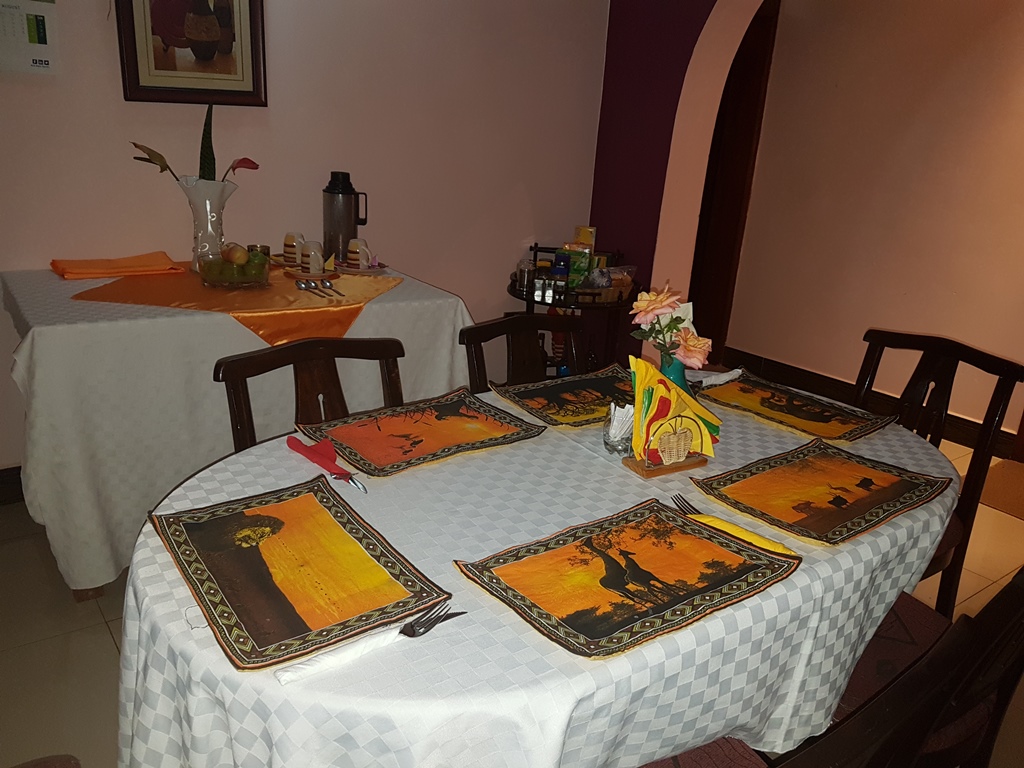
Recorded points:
(293, 248)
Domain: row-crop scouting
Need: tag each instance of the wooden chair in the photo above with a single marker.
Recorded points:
(318, 394)
(942, 712)
(527, 360)
(922, 408)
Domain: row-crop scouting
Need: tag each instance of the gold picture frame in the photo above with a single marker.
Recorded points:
(172, 53)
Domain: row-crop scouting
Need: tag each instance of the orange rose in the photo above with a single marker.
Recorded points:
(648, 306)
(693, 349)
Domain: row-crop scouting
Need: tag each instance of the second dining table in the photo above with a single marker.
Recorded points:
(487, 689)
(121, 403)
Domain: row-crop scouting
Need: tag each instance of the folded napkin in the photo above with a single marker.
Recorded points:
(715, 379)
(337, 656)
(155, 263)
(668, 424)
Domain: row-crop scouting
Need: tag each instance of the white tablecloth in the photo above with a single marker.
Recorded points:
(121, 402)
(486, 689)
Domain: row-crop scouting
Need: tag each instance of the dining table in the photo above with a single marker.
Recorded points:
(486, 688)
(121, 403)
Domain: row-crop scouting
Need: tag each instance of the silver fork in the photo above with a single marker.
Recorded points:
(683, 505)
(426, 621)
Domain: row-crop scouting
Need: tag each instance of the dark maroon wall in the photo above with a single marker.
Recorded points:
(648, 49)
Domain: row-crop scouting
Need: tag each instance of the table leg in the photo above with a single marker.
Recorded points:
(84, 595)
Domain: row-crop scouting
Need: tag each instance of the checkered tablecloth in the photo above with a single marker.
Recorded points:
(121, 402)
(486, 689)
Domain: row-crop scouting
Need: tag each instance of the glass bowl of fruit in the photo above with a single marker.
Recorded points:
(235, 268)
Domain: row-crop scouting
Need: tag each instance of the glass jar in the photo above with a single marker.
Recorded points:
(525, 272)
(618, 430)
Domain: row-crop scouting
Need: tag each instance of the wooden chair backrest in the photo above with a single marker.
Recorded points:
(318, 393)
(527, 361)
(923, 407)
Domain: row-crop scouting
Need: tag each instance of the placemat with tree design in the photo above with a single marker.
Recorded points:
(795, 410)
(822, 492)
(388, 440)
(282, 574)
(572, 401)
(603, 587)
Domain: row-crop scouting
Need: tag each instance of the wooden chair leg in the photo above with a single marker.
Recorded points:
(949, 585)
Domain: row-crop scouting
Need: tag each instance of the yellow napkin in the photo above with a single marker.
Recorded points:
(663, 408)
(155, 263)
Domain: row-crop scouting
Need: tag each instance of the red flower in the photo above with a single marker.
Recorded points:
(242, 162)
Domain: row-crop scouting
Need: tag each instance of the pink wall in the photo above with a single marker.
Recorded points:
(888, 186)
(472, 127)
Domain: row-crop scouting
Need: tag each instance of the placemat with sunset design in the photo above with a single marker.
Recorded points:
(282, 574)
(799, 411)
(388, 440)
(606, 586)
(572, 401)
(822, 492)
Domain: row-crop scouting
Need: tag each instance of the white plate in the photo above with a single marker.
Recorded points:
(378, 270)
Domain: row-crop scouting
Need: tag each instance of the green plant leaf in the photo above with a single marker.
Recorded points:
(154, 157)
(207, 160)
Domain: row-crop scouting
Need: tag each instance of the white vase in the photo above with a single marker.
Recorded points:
(207, 199)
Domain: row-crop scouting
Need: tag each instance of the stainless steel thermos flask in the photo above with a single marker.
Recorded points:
(342, 217)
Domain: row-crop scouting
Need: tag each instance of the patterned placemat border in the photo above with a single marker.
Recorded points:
(520, 395)
(767, 568)
(232, 636)
(867, 422)
(523, 431)
(926, 488)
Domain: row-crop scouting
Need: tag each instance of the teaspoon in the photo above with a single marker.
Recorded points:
(310, 286)
(330, 286)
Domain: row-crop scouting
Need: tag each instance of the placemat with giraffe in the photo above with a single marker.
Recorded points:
(286, 573)
(572, 401)
(798, 411)
(822, 492)
(603, 587)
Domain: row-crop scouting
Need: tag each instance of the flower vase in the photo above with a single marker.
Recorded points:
(207, 199)
(673, 369)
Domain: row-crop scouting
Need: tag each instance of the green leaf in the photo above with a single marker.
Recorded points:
(154, 157)
(207, 160)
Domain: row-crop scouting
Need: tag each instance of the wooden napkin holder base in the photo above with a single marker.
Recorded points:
(691, 462)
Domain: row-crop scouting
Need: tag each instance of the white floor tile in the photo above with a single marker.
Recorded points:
(997, 544)
(953, 451)
(60, 696)
(979, 600)
(36, 603)
(970, 584)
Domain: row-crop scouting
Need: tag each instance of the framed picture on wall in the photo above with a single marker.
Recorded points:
(193, 51)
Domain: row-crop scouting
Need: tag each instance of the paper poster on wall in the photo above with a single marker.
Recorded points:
(28, 35)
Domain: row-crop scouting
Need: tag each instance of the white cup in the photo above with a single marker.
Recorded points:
(312, 257)
(359, 254)
(293, 247)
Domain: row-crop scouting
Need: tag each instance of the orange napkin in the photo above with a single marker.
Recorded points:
(155, 263)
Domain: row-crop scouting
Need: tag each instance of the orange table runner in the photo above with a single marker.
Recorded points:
(278, 313)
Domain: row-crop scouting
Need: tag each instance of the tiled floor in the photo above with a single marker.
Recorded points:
(59, 659)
